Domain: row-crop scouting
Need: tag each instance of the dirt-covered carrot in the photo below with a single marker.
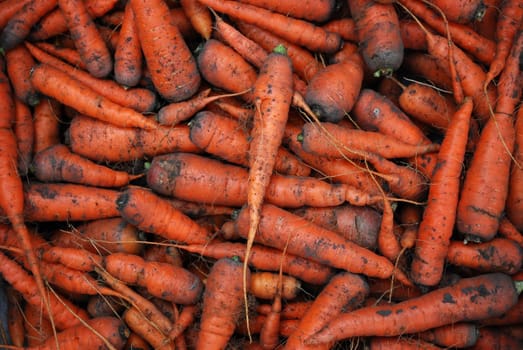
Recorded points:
(294, 30)
(24, 131)
(222, 304)
(173, 68)
(469, 299)
(437, 225)
(19, 63)
(128, 57)
(140, 325)
(8, 9)
(91, 46)
(514, 204)
(58, 164)
(464, 11)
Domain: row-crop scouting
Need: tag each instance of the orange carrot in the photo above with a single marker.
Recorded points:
(345, 27)
(57, 163)
(270, 331)
(172, 67)
(15, 316)
(222, 304)
(72, 258)
(496, 337)
(497, 255)
(186, 317)
(19, 63)
(469, 299)
(514, 203)
(266, 285)
(37, 328)
(301, 235)
(100, 141)
(142, 209)
(463, 11)
(460, 335)
(135, 342)
(24, 131)
(46, 117)
(508, 230)
(67, 54)
(128, 58)
(314, 11)
(378, 35)
(8, 9)
(426, 67)
(200, 17)
(409, 218)
(140, 325)
(396, 343)
(439, 216)
(294, 30)
(88, 40)
(19, 25)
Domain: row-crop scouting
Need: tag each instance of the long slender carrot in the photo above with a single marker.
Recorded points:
(25, 134)
(437, 225)
(469, 299)
(71, 92)
(172, 67)
(314, 11)
(295, 30)
(140, 325)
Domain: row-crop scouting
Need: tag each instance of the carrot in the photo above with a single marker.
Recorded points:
(314, 11)
(265, 285)
(270, 331)
(413, 36)
(470, 299)
(72, 258)
(200, 17)
(57, 163)
(488, 173)
(46, 121)
(37, 328)
(67, 54)
(514, 203)
(224, 68)
(19, 25)
(164, 254)
(426, 67)
(224, 137)
(96, 333)
(71, 92)
(15, 317)
(128, 58)
(68, 202)
(266, 259)
(357, 224)
(508, 230)
(460, 335)
(8, 9)
(103, 236)
(136, 321)
(354, 143)
(19, 63)
(225, 184)
(88, 40)
(302, 235)
(343, 293)
(395, 343)
(345, 27)
(24, 132)
(513, 316)
(54, 23)
(136, 342)
(437, 224)
(303, 62)
(496, 338)
(173, 69)
(100, 141)
(409, 218)
(294, 30)
(222, 303)
(497, 255)
(388, 290)
(464, 11)
(379, 35)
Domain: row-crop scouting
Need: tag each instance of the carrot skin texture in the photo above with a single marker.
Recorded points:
(460, 335)
(222, 303)
(463, 11)
(303, 236)
(173, 68)
(24, 130)
(19, 63)
(469, 299)
(140, 325)
(437, 224)
(314, 11)
(199, 16)
(128, 57)
(514, 206)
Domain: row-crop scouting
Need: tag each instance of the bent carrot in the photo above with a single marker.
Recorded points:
(469, 299)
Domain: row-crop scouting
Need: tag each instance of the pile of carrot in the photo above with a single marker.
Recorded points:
(248, 174)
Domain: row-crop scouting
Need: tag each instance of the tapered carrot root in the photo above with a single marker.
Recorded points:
(128, 57)
(200, 17)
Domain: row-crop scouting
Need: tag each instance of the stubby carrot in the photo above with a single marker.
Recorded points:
(437, 224)
(173, 68)
(200, 17)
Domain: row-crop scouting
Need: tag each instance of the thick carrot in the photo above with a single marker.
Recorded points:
(266, 259)
(71, 92)
(294, 30)
(102, 142)
(460, 335)
(88, 40)
(463, 11)
(437, 224)
(19, 63)
(469, 299)
(266, 285)
(301, 236)
(424, 66)
(222, 304)
(497, 255)
(199, 16)
(46, 119)
(57, 163)
(151, 213)
(54, 23)
(180, 174)
(224, 137)
(508, 230)
(128, 57)
(379, 35)
(8, 9)
(514, 205)
(395, 343)
(355, 143)
(19, 25)
(171, 64)
(314, 11)
(343, 293)
(24, 131)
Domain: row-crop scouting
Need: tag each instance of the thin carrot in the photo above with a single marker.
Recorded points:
(173, 69)
(222, 303)
(46, 117)
(24, 130)
(439, 216)
(128, 57)
(345, 27)
(19, 63)
(67, 54)
(15, 316)
(71, 92)
(270, 331)
(469, 299)
(508, 230)
(73, 258)
(140, 325)
(514, 203)
(200, 17)
(294, 30)
(314, 11)
(37, 328)
(151, 213)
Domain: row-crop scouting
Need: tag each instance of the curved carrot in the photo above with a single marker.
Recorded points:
(437, 225)
(172, 67)
(87, 39)
(128, 57)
